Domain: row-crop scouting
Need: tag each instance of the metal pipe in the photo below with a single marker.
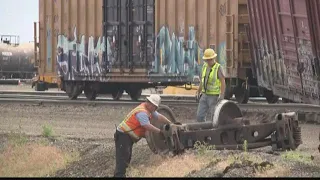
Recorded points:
(265, 143)
(209, 124)
(197, 126)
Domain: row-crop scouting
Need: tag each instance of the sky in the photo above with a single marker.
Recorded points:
(17, 18)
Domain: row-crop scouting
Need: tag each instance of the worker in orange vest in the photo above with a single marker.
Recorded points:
(133, 128)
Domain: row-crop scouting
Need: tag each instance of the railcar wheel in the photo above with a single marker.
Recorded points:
(225, 113)
(90, 92)
(116, 95)
(285, 100)
(242, 93)
(72, 90)
(229, 91)
(135, 94)
(154, 140)
(271, 98)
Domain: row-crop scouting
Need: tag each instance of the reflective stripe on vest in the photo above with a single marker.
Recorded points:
(131, 124)
(213, 83)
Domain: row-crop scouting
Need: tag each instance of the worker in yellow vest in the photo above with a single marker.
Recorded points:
(212, 86)
(133, 128)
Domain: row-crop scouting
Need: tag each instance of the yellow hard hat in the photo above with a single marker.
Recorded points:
(209, 54)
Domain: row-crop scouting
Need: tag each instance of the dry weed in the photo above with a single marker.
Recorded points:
(32, 160)
(178, 166)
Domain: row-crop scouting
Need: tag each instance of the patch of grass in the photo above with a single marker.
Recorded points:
(244, 160)
(33, 160)
(203, 148)
(243, 157)
(17, 139)
(297, 156)
(245, 146)
(178, 166)
(71, 157)
(44, 142)
(47, 131)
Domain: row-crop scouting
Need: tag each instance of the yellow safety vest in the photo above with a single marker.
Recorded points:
(213, 83)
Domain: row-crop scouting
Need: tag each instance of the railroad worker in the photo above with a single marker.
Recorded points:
(133, 128)
(212, 86)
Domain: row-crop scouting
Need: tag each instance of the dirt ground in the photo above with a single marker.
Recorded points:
(80, 142)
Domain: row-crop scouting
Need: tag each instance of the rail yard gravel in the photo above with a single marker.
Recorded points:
(89, 131)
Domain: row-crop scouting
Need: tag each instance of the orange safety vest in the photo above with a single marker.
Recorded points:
(131, 124)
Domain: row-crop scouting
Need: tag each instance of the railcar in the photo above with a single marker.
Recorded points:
(112, 46)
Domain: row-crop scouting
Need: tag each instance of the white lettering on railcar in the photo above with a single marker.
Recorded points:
(6, 53)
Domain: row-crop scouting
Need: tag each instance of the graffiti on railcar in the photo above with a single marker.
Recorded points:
(266, 65)
(222, 56)
(308, 68)
(223, 9)
(173, 58)
(82, 58)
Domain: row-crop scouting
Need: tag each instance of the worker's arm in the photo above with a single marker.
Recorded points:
(152, 128)
(145, 122)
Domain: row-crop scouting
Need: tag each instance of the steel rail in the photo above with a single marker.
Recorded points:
(4, 93)
(86, 102)
(250, 106)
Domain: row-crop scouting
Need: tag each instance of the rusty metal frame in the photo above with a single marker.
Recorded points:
(284, 134)
(228, 130)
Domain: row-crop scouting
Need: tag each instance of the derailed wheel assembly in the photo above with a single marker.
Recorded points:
(227, 130)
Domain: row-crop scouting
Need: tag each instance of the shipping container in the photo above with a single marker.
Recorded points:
(111, 46)
(284, 40)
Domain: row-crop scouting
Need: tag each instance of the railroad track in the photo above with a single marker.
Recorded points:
(62, 95)
(307, 113)
(187, 103)
(65, 99)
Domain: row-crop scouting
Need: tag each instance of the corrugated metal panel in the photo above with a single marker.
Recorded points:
(314, 22)
(283, 40)
(199, 24)
(66, 22)
(265, 38)
(183, 29)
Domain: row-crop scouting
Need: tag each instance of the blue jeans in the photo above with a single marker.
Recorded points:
(206, 107)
